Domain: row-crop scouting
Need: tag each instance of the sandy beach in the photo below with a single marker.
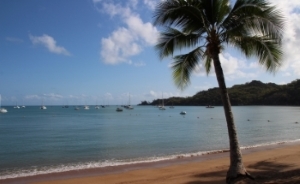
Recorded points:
(269, 164)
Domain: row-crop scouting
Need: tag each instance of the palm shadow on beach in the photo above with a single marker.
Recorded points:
(263, 172)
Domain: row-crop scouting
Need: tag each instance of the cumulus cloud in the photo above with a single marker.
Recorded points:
(48, 42)
(128, 40)
(290, 10)
(233, 68)
(150, 3)
(119, 46)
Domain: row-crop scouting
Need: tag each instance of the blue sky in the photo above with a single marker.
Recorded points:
(101, 51)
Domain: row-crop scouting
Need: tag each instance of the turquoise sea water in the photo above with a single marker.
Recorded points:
(34, 141)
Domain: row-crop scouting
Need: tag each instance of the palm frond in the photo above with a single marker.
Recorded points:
(215, 10)
(268, 50)
(172, 39)
(255, 27)
(207, 63)
(183, 65)
(255, 16)
(180, 13)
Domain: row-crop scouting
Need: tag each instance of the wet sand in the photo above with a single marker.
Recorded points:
(268, 164)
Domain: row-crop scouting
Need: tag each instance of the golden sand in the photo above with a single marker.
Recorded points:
(277, 164)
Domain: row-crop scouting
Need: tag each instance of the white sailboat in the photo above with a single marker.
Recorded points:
(17, 107)
(43, 107)
(97, 106)
(128, 106)
(162, 107)
(2, 110)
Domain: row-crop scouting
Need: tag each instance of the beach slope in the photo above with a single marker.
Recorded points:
(270, 165)
(278, 164)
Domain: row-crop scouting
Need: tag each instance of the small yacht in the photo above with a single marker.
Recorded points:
(162, 107)
(43, 107)
(86, 107)
(2, 110)
(182, 112)
(119, 109)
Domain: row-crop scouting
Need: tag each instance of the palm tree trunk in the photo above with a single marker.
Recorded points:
(236, 169)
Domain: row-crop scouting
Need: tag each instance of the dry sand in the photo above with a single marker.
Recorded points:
(270, 164)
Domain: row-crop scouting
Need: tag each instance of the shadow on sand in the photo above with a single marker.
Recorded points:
(264, 172)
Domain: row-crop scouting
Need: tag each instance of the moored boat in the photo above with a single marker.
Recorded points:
(182, 112)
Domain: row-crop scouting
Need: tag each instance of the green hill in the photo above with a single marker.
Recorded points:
(251, 93)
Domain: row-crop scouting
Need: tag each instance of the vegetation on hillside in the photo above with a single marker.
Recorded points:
(251, 93)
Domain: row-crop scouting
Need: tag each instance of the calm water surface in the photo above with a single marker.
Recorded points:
(35, 141)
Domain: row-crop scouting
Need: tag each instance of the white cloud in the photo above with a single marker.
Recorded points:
(48, 42)
(97, 1)
(30, 97)
(119, 46)
(159, 94)
(15, 40)
(53, 96)
(139, 64)
(233, 68)
(128, 40)
(228, 63)
(150, 3)
(290, 10)
(151, 94)
(108, 96)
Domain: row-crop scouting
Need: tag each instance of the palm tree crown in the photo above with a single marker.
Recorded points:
(205, 26)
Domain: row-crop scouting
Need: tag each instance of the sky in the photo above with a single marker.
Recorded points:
(65, 52)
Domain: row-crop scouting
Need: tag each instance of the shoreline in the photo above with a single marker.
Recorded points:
(111, 172)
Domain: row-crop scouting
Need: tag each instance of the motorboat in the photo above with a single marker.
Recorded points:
(119, 109)
(182, 112)
(2, 110)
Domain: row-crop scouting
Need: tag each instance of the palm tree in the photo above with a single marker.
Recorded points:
(202, 29)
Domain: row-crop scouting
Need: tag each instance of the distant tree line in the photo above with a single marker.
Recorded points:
(251, 93)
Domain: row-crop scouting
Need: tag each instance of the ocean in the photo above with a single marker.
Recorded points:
(35, 141)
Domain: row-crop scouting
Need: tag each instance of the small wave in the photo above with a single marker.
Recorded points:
(270, 144)
(33, 171)
(101, 164)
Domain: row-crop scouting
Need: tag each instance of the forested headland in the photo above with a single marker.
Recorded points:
(251, 93)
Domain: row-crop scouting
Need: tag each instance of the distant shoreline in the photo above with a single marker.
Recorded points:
(250, 93)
